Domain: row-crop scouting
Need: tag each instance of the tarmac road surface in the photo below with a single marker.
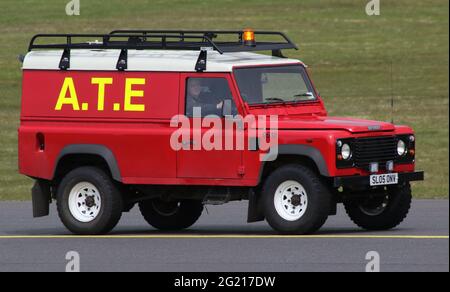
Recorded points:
(222, 241)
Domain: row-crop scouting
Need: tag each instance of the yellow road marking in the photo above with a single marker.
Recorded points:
(223, 236)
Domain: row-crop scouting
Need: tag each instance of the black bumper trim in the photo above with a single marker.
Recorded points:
(362, 182)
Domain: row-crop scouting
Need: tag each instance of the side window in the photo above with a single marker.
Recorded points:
(208, 95)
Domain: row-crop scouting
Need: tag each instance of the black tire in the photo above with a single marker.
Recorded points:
(318, 195)
(171, 216)
(381, 213)
(111, 201)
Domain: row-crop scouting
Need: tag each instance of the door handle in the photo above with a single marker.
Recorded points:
(188, 143)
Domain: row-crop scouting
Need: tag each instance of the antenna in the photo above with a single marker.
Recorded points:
(392, 94)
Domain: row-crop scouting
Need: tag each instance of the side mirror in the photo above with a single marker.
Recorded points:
(227, 107)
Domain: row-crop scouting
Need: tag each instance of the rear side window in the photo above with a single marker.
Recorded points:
(207, 94)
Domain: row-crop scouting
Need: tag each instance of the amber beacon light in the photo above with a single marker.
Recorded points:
(249, 37)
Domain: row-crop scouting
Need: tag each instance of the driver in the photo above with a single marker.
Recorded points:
(197, 98)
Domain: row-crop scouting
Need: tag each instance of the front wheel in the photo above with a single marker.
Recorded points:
(295, 200)
(171, 215)
(381, 212)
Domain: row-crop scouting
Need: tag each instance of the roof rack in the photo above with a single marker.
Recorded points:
(195, 40)
(224, 46)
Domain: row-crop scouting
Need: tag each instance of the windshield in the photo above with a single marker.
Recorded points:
(266, 85)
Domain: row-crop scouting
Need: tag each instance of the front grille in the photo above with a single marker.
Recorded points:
(374, 149)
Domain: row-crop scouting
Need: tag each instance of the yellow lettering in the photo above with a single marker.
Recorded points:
(129, 93)
(72, 99)
(101, 82)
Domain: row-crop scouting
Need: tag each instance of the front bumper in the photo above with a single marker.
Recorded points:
(362, 182)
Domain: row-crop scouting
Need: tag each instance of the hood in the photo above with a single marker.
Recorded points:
(335, 123)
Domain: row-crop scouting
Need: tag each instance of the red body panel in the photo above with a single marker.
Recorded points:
(138, 139)
(134, 123)
(41, 89)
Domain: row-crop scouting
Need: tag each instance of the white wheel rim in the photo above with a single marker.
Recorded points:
(291, 200)
(85, 202)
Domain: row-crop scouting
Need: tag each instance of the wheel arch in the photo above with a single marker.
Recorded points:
(303, 154)
(86, 154)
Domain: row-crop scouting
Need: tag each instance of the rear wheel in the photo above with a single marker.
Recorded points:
(171, 215)
(88, 201)
(381, 212)
(295, 200)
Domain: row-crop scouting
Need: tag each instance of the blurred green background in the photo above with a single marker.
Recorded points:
(351, 57)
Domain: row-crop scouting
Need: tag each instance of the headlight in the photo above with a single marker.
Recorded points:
(346, 152)
(401, 148)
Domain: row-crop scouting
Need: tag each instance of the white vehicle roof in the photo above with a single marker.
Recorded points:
(149, 60)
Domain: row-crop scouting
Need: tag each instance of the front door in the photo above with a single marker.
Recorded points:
(204, 154)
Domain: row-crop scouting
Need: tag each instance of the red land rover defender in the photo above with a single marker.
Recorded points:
(108, 121)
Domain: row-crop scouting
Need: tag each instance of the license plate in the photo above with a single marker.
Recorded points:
(384, 179)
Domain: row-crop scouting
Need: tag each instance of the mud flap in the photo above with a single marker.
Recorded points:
(41, 197)
(255, 213)
(333, 207)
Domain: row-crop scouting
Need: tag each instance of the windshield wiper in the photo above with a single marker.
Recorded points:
(275, 99)
(306, 94)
